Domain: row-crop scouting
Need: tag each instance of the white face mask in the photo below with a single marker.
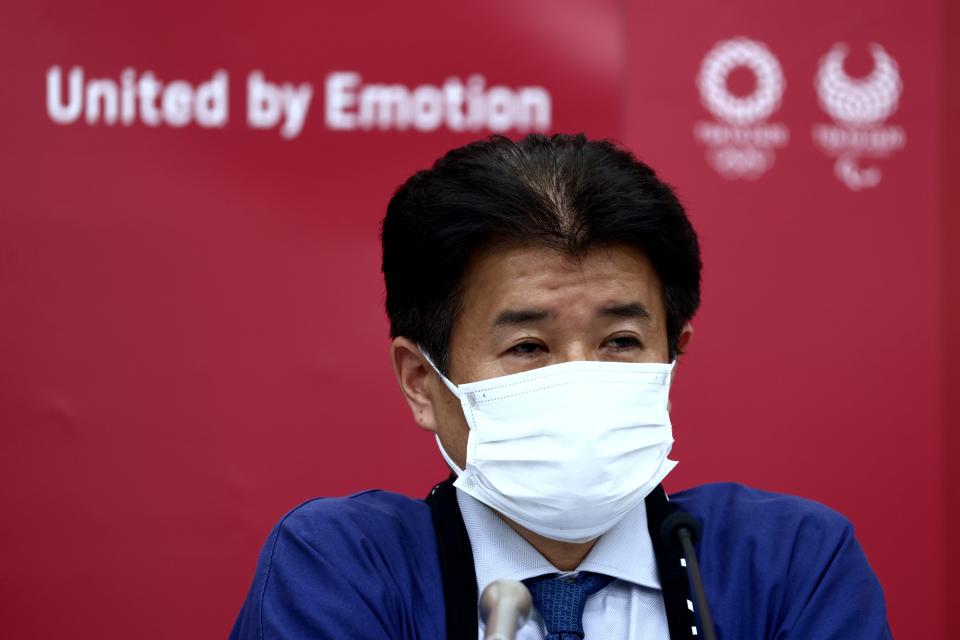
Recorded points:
(566, 450)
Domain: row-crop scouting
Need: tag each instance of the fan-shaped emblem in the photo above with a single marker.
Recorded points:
(858, 102)
(858, 107)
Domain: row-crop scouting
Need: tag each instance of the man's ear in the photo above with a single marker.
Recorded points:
(417, 380)
(686, 334)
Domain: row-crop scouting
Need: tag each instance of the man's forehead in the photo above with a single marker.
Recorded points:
(525, 280)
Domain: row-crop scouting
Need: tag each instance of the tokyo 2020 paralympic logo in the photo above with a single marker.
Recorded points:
(858, 107)
(740, 142)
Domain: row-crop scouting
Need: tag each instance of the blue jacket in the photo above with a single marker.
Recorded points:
(367, 566)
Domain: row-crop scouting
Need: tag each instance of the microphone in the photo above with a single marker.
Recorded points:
(504, 608)
(681, 527)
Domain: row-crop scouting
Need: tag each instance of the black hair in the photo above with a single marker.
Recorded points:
(564, 192)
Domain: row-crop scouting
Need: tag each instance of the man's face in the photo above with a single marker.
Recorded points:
(526, 307)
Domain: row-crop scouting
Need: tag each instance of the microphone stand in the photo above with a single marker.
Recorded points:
(504, 607)
(683, 528)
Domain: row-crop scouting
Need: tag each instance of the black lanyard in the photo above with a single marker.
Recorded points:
(460, 578)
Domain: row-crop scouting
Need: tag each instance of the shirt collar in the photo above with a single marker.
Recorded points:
(625, 552)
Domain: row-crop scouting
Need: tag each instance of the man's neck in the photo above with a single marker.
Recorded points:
(565, 556)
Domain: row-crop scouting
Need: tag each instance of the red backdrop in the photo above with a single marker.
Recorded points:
(950, 238)
(192, 330)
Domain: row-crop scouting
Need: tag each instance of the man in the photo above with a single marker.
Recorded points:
(540, 293)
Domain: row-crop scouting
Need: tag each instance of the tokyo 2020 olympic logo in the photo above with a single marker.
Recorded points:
(740, 142)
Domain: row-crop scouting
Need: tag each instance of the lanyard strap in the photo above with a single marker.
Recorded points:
(670, 569)
(456, 562)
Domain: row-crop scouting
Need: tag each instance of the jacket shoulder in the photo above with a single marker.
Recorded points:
(737, 505)
(794, 563)
(381, 515)
(361, 566)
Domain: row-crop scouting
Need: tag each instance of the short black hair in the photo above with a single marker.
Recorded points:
(565, 192)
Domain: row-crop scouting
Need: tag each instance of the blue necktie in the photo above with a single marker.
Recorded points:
(561, 601)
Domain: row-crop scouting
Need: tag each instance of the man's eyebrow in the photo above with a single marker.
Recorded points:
(628, 310)
(520, 316)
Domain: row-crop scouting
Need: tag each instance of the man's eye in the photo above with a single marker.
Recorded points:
(623, 342)
(527, 348)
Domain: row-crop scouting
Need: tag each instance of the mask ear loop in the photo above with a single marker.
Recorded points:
(455, 391)
(446, 458)
(453, 388)
(673, 368)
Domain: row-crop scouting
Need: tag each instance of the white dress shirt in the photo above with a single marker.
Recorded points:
(629, 608)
